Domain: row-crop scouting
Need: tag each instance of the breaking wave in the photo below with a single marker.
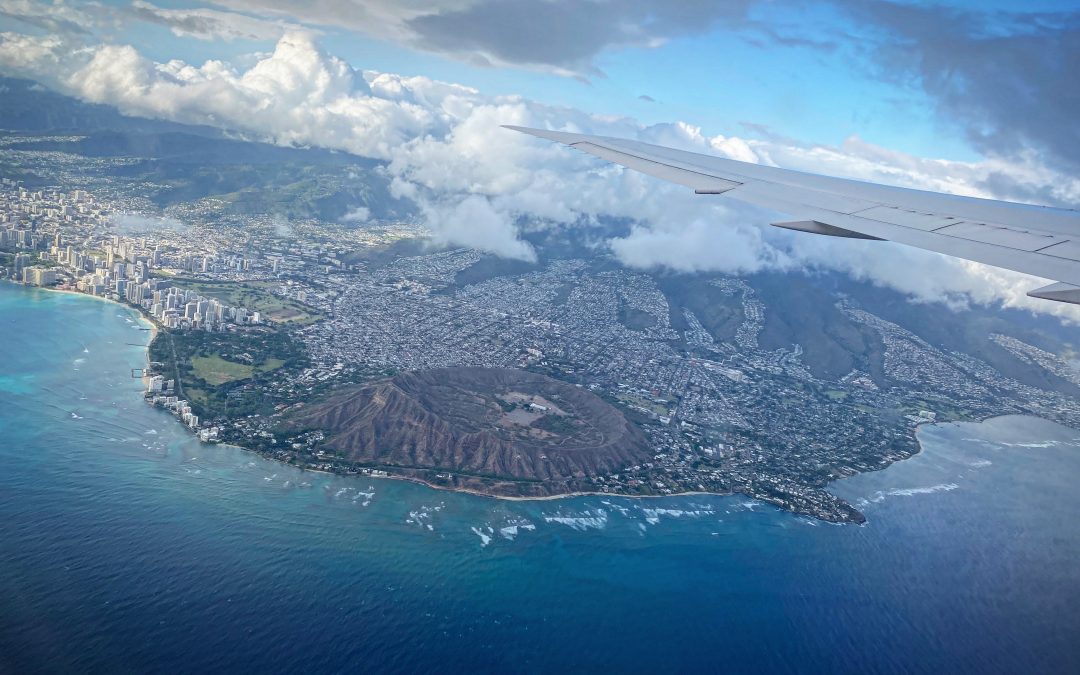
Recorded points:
(594, 519)
(880, 495)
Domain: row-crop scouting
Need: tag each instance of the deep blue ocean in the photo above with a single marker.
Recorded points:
(126, 546)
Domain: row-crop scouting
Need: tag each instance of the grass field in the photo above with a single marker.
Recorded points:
(215, 370)
(634, 400)
(256, 297)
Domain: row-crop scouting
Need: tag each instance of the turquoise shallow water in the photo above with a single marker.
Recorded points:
(126, 546)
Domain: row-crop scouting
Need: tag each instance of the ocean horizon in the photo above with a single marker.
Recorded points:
(128, 546)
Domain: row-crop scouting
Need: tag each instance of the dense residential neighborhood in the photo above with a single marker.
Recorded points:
(722, 415)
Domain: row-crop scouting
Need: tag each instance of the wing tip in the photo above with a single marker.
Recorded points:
(526, 130)
(547, 134)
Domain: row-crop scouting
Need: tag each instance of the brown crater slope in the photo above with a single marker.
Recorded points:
(490, 423)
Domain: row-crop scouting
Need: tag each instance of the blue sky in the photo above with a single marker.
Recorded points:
(972, 98)
(958, 81)
(718, 80)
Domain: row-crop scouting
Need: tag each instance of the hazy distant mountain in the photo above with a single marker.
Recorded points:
(186, 162)
(26, 106)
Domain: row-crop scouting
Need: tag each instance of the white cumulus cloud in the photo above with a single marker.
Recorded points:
(475, 222)
(476, 183)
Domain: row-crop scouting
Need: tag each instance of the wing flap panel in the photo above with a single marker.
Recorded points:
(906, 218)
(1036, 263)
(1001, 236)
(768, 194)
(1069, 250)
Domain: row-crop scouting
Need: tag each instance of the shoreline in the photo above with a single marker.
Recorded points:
(692, 493)
(154, 330)
(477, 493)
(570, 495)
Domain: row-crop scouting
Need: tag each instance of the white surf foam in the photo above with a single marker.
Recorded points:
(485, 539)
(880, 495)
(652, 516)
(422, 516)
(909, 492)
(593, 519)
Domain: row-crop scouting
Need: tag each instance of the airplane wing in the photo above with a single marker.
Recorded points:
(1036, 240)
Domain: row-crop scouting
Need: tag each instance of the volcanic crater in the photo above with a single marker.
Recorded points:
(497, 430)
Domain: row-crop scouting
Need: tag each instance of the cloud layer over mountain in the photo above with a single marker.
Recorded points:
(1004, 78)
(476, 183)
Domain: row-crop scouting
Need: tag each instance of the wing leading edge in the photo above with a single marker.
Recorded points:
(1037, 240)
